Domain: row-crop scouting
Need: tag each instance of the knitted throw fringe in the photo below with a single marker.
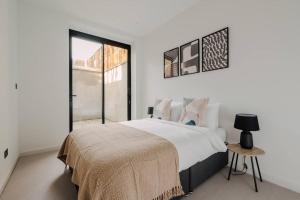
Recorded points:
(174, 192)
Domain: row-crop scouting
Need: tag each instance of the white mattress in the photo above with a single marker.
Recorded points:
(193, 143)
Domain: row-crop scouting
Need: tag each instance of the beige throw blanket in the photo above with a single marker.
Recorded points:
(117, 162)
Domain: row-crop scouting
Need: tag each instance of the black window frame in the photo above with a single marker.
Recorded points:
(104, 41)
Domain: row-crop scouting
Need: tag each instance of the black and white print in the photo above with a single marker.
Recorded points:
(171, 62)
(215, 50)
(189, 58)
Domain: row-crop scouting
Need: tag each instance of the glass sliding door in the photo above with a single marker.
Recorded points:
(99, 80)
(115, 83)
(87, 57)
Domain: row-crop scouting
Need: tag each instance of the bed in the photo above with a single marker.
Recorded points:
(198, 158)
(201, 153)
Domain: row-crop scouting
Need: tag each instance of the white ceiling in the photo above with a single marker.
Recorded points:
(136, 17)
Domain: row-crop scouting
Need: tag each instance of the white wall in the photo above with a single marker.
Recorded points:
(263, 77)
(8, 95)
(44, 73)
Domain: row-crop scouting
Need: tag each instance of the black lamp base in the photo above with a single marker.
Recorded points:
(246, 140)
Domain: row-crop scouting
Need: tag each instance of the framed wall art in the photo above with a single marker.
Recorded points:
(171, 63)
(215, 50)
(189, 58)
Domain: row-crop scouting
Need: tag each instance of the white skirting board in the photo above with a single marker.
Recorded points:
(28, 153)
(39, 151)
(277, 180)
(8, 177)
(294, 186)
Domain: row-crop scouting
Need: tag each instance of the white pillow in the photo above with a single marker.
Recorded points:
(195, 111)
(176, 109)
(162, 109)
(190, 116)
(212, 116)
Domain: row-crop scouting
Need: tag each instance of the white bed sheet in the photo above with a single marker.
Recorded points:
(221, 133)
(193, 143)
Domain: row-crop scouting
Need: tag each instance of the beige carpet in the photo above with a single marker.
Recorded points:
(43, 177)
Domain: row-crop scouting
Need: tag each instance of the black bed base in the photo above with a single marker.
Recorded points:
(201, 171)
(198, 173)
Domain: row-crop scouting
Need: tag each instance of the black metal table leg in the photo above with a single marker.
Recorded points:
(236, 161)
(254, 176)
(231, 166)
(258, 169)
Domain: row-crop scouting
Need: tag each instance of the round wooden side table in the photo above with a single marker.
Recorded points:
(237, 150)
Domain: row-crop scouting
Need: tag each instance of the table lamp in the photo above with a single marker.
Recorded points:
(246, 123)
(150, 111)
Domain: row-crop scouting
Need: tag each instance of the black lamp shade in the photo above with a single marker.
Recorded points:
(246, 122)
(150, 111)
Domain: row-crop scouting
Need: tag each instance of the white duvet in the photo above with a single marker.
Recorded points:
(193, 143)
